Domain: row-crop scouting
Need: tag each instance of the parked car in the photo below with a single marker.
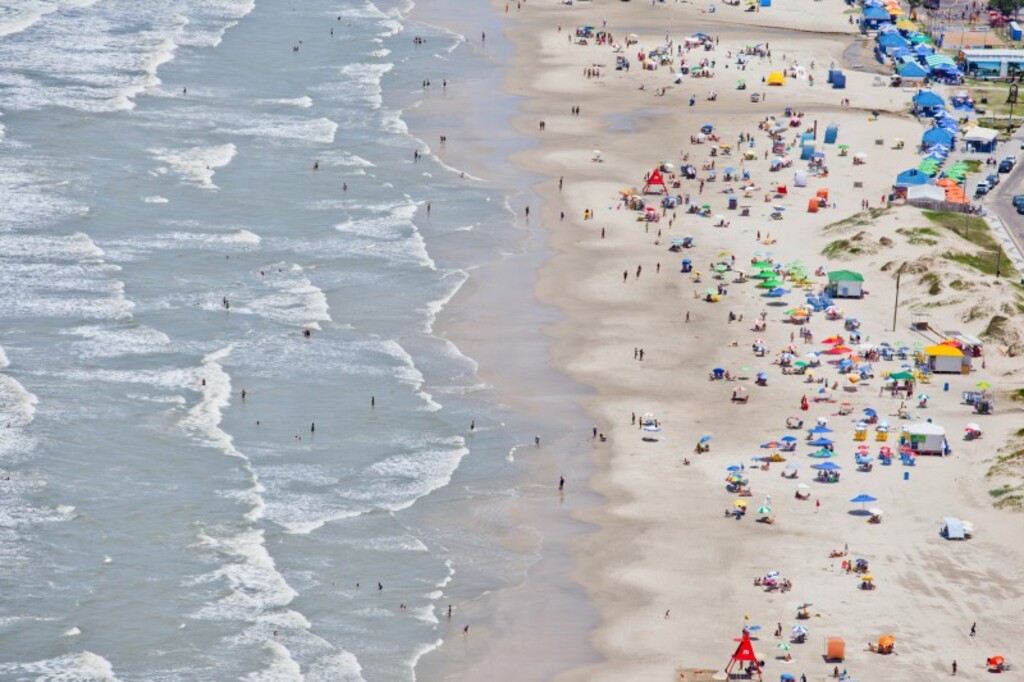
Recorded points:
(1017, 201)
(1005, 166)
(982, 189)
(992, 180)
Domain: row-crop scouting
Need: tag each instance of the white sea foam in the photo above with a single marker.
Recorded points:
(361, 83)
(317, 130)
(455, 279)
(409, 373)
(398, 481)
(156, 199)
(197, 165)
(253, 582)
(280, 666)
(336, 667)
(72, 632)
(83, 666)
(290, 298)
(109, 342)
(17, 404)
(303, 102)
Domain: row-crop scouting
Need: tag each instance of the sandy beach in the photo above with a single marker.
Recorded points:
(672, 575)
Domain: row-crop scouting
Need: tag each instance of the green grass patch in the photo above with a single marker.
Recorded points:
(858, 219)
(1011, 503)
(997, 327)
(960, 285)
(973, 165)
(1001, 490)
(933, 282)
(1017, 396)
(919, 235)
(841, 248)
(975, 230)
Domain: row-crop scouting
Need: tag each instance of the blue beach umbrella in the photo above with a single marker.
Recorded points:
(788, 439)
(826, 466)
(864, 499)
(820, 442)
(820, 428)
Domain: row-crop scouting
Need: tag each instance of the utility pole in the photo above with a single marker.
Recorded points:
(896, 300)
(999, 259)
(1011, 99)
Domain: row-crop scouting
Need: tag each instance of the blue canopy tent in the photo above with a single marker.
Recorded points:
(927, 102)
(912, 71)
(873, 17)
(909, 178)
(937, 136)
(892, 40)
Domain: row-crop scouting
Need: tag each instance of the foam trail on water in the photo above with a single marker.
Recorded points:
(196, 165)
(83, 666)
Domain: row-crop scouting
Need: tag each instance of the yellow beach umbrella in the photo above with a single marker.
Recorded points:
(739, 503)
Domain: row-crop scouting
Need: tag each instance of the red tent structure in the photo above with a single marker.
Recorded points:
(654, 181)
(744, 655)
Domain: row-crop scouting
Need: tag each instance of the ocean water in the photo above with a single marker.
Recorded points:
(164, 242)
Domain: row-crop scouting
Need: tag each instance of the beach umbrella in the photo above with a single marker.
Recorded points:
(740, 503)
(833, 341)
(783, 645)
(923, 396)
(820, 428)
(792, 466)
(754, 628)
(777, 292)
(983, 384)
(652, 428)
(826, 466)
(788, 439)
(901, 376)
(733, 467)
(875, 511)
(705, 439)
(822, 454)
(800, 629)
(863, 499)
(764, 510)
(744, 368)
(770, 445)
(803, 486)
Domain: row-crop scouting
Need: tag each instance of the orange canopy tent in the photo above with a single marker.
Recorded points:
(744, 654)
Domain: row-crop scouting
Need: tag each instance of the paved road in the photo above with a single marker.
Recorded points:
(998, 201)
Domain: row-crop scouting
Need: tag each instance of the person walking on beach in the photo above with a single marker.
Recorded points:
(974, 629)
(561, 483)
(954, 667)
(625, 276)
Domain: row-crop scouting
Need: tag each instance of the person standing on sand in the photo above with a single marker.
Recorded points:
(561, 483)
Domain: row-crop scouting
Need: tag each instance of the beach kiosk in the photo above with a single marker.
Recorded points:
(946, 359)
(845, 284)
(925, 438)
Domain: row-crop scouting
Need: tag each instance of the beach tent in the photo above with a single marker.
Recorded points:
(892, 40)
(937, 136)
(927, 102)
(835, 649)
(655, 181)
(953, 529)
(912, 72)
(946, 359)
(744, 654)
(925, 438)
(926, 193)
(911, 177)
(776, 78)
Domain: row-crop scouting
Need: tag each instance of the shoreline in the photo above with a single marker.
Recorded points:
(491, 321)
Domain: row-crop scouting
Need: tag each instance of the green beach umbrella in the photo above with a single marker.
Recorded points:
(764, 510)
(902, 376)
(711, 292)
(800, 363)
(721, 267)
